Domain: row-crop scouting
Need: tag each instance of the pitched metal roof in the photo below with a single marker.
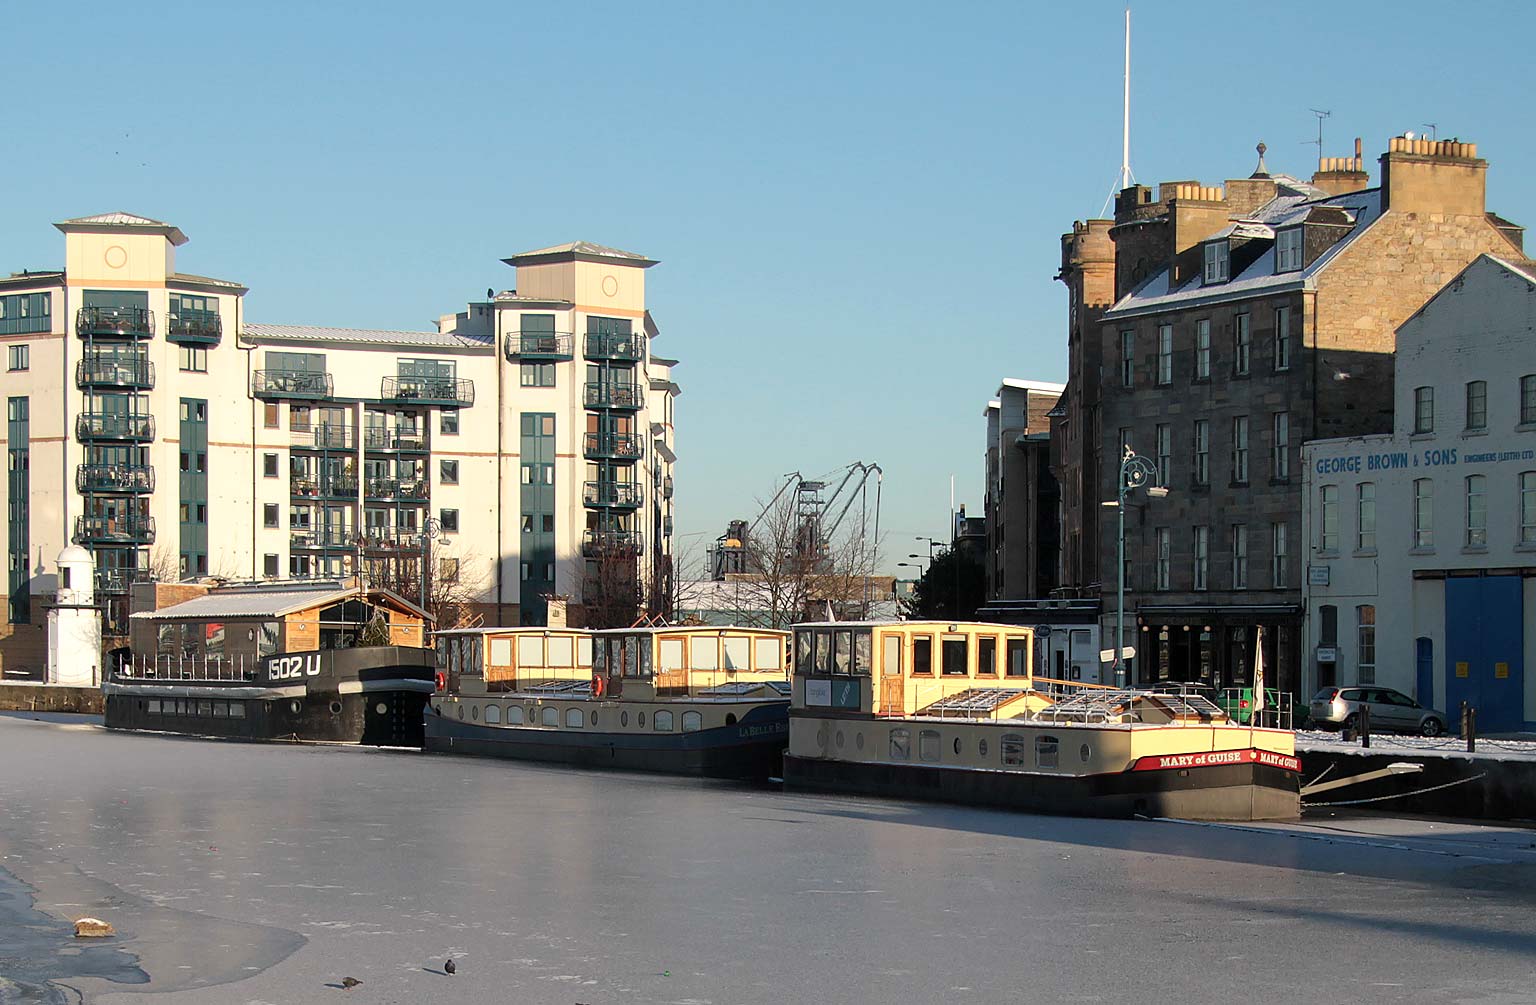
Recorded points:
(365, 336)
(121, 219)
(265, 602)
(581, 249)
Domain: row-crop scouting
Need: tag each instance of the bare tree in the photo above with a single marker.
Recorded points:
(610, 589)
(453, 582)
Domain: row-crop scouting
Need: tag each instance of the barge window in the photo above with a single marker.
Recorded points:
(237, 710)
(1013, 749)
(671, 655)
(892, 665)
(574, 719)
(662, 721)
(221, 710)
(549, 715)
(738, 652)
(823, 663)
(922, 655)
(901, 744)
(515, 716)
(501, 652)
(956, 657)
(584, 652)
(266, 639)
(862, 643)
(770, 654)
(692, 722)
(928, 745)
(803, 642)
(530, 650)
(559, 651)
(986, 656)
(154, 706)
(1047, 752)
(842, 652)
(493, 715)
(1018, 657)
(705, 651)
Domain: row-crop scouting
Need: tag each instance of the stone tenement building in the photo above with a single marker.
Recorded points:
(1022, 499)
(1247, 320)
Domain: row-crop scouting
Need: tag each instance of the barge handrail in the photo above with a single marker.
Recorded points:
(165, 667)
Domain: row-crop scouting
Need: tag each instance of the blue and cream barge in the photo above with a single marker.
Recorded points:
(705, 701)
(954, 712)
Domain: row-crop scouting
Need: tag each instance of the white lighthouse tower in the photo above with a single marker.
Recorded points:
(74, 622)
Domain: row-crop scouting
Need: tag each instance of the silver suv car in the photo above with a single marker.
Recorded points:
(1339, 708)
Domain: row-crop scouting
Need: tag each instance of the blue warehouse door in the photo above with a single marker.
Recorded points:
(1484, 651)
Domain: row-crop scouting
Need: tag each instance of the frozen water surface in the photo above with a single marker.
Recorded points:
(240, 873)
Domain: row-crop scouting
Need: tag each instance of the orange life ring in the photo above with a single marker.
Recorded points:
(599, 685)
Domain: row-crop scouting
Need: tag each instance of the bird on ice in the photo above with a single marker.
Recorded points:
(350, 982)
(449, 968)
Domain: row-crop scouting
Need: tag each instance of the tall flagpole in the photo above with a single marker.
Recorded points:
(1124, 179)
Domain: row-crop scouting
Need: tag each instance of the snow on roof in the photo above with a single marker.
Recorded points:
(264, 602)
(1033, 385)
(1260, 276)
(364, 336)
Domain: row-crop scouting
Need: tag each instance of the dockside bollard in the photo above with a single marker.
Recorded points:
(1365, 726)
(1469, 726)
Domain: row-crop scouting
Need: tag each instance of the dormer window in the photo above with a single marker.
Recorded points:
(1218, 262)
(1288, 250)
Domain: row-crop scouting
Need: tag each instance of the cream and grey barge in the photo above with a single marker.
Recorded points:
(703, 701)
(952, 711)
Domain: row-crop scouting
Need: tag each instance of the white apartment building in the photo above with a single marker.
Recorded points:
(1421, 568)
(150, 422)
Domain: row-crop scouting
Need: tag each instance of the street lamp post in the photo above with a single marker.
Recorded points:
(1135, 471)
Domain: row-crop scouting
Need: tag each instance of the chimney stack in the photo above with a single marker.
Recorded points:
(1436, 177)
(1338, 175)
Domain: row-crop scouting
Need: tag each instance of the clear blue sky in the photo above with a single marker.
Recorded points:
(856, 205)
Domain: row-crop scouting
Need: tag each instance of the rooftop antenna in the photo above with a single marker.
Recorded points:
(1124, 179)
(1434, 130)
(1321, 115)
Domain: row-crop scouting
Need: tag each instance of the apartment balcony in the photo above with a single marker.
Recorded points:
(613, 447)
(132, 529)
(395, 488)
(292, 385)
(94, 426)
(322, 437)
(553, 347)
(666, 487)
(598, 543)
(618, 495)
(117, 581)
(194, 328)
(623, 348)
(115, 322)
(448, 392)
(104, 370)
(114, 478)
(409, 441)
(628, 397)
(377, 539)
(325, 539)
(338, 487)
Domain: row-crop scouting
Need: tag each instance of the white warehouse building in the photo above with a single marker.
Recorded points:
(1422, 544)
(149, 422)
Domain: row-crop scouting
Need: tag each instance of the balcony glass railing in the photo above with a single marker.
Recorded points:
(395, 488)
(394, 439)
(605, 493)
(127, 529)
(132, 322)
(114, 426)
(194, 328)
(300, 384)
(389, 539)
(114, 478)
(334, 487)
(613, 446)
(429, 390)
(630, 348)
(117, 581)
(322, 437)
(330, 539)
(115, 371)
(611, 542)
(554, 346)
(606, 395)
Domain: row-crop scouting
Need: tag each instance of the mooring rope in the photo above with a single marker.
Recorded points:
(1399, 795)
